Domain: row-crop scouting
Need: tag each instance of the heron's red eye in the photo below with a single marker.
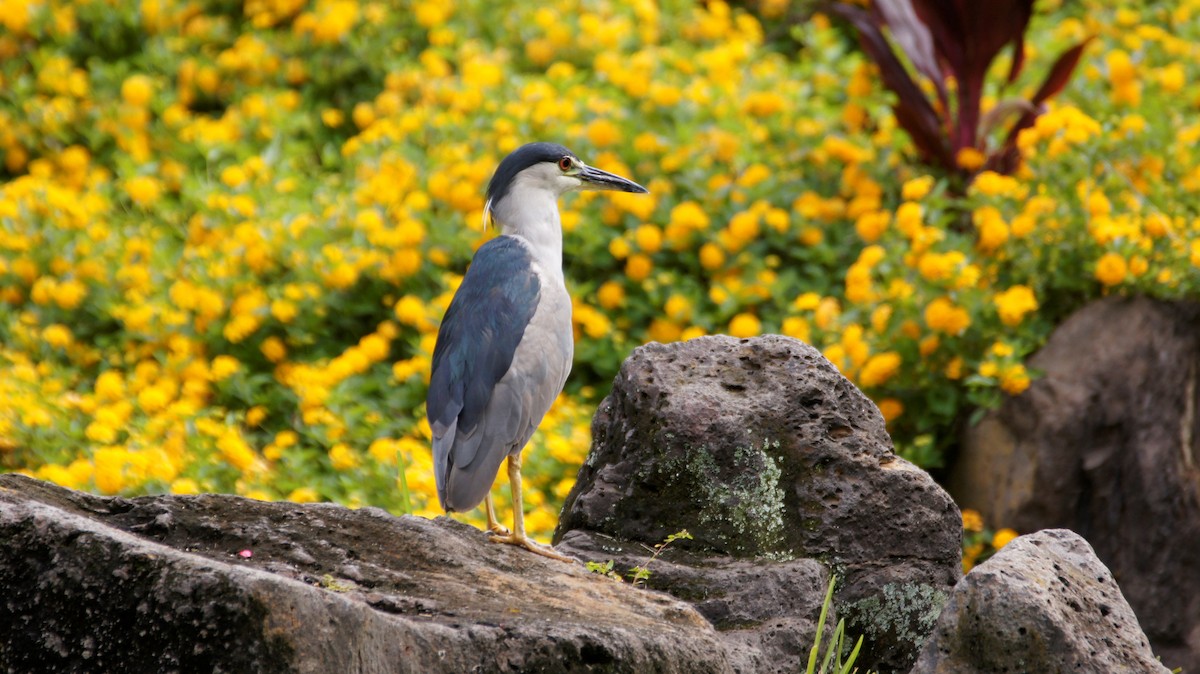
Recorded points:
(565, 164)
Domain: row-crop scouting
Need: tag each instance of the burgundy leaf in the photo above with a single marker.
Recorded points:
(914, 39)
(914, 112)
(1018, 59)
(967, 36)
(1060, 73)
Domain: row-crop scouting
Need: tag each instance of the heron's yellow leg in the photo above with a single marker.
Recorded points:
(493, 525)
(518, 537)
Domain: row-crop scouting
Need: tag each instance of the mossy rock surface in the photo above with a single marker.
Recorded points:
(763, 451)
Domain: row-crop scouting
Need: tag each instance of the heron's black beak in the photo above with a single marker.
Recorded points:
(595, 179)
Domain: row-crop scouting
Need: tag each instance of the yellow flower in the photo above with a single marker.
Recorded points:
(410, 311)
(58, 336)
(1014, 379)
(1003, 537)
(929, 344)
(283, 311)
(273, 349)
(143, 190)
(69, 294)
(1111, 269)
(954, 368)
(110, 386)
(341, 457)
(879, 369)
(891, 409)
(764, 103)
(111, 469)
(603, 132)
(678, 308)
(664, 331)
(610, 295)
(917, 188)
(1014, 303)
(797, 328)
(908, 218)
(806, 301)
(938, 266)
(872, 224)
(972, 520)
(384, 450)
(185, 486)
(649, 238)
(992, 184)
(745, 325)
(256, 415)
(712, 257)
(236, 450)
(943, 316)
(638, 267)
(993, 231)
(223, 367)
(233, 176)
(152, 399)
(304, 495)
(689, 214)
(332, 117)
(970, 159)
(137, 90)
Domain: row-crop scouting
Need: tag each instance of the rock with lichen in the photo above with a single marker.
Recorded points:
(763, 451)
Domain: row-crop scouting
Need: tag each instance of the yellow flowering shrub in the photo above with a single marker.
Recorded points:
(230, 230)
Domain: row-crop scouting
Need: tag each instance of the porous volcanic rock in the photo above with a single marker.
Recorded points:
(1107, 443)
(766, 611)
(1044, 603)
(763, 451)
(162, 584)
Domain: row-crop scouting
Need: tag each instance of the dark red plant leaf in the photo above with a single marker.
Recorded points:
(1007, 157)
(914, 112)
(1018, 59)
(1060, 73)
(914, 39)
(967, 36)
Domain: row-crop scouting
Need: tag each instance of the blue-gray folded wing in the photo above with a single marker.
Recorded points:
(476, 344)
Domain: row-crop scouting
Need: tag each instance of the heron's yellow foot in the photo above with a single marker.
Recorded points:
(517, 537)
(530, 545)
(494, 527)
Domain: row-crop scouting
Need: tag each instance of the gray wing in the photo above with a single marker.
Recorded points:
(468, 407)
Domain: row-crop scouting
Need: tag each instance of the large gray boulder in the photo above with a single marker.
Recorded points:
(763, 451)
(159, 584)
(1043, 604)
(1107, 443)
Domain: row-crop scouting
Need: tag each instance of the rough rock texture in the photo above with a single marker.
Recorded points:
(762, 450)
(1044, 604)
(766, 611)
(1107, 443)
(156, 584)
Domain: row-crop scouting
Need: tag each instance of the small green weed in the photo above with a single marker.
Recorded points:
(638, 575)
(833, 654)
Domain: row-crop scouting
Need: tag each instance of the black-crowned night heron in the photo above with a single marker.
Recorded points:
(506, 343)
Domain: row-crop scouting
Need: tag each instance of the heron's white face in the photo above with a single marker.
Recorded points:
(535, 190)
(557, 178)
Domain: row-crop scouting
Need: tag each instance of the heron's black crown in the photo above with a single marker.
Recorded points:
(519, 160)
